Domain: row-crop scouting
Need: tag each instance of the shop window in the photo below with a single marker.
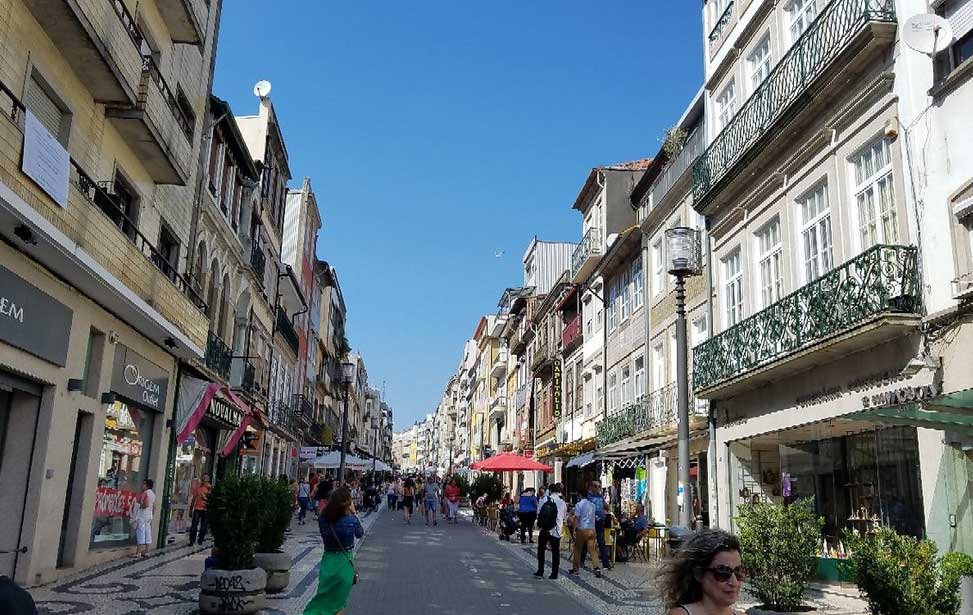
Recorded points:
(122, 466)
(194, 457)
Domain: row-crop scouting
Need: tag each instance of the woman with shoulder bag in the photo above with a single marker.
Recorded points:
(339, 527)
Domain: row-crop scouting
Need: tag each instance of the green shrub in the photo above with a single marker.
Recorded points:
(780, 547)
(234, 511)
(900, 575)
(489, 484)
(277, 510)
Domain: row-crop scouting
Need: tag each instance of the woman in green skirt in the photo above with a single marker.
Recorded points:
(336, 574)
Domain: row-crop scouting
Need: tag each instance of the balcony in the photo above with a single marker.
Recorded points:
(499, 367)
(675, 170)
(655, 413)
(258, 262)
(572, 336)
(243, 376)
(498, 407)
(100, 42)
(97, 229)
(218, 355)
(869, 299)
(185, 19)
(286, 329)
(720, 29)
(586, 256)
(156, 128)
(542, 356)
(301, 405)
(845, 35)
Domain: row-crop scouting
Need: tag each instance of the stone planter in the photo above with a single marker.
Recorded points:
(278, 569)
(235, 592)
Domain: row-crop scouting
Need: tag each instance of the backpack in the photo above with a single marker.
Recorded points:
(547, 517)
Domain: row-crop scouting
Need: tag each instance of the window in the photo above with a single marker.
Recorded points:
(874, 195)
(612, 392)
(167, 258)
(623, 291)
(726, 105)
(800, 14)
(816, 233)
(658, 366)
(48, 108)
(771, 271)
(758, 63)
(959, 14)
(638, 287)
(187, 113)
(732, 289)
(215, 160)
(579, 385)
(612, 306)
(658, 267)
(673, 355)
(717, 10)
(639, 377)
(127, 204)
(626, 385)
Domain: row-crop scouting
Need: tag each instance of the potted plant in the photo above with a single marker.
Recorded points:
(234, 584)
(277, 510)
(780, 547)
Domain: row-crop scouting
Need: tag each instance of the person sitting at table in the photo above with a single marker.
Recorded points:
(632, 530)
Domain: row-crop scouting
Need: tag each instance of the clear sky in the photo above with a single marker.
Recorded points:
(437, 134)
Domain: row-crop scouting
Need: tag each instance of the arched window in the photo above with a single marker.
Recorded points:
(212, 296)
(226, 312)
(198, 266)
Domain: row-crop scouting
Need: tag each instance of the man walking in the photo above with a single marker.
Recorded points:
(197, 504)
(597, 499)
(550, 520)
(584, 534)
(527, 511)
(303, 500)
(430, 498)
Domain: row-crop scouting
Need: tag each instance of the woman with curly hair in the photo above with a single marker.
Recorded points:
(704, 576)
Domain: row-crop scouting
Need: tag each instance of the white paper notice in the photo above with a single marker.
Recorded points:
(45, 160)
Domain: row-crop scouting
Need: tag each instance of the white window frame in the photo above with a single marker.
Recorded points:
(873, 193)
(639, 381)
(626, 383)
(732, 287)
(658, 267)
(612, 392)
(726, 105)
(770, 266)
(638, 284)
(817, 233)
(718, 7)
(658, 365)
(800, 15)
(623, 291)
(759, 62)
(699, 330)
(673, 355)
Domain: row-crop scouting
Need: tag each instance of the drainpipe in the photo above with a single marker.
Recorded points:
(714, 504)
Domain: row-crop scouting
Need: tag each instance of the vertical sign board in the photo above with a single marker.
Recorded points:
(556, 383)
(45, 160)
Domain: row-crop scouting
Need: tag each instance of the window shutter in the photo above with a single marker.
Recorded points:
(44, 107)
(959, 14)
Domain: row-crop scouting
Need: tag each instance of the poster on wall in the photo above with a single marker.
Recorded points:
(45, 160)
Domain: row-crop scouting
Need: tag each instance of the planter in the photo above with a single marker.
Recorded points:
(235, 592)
(966, 595)
(278, 569)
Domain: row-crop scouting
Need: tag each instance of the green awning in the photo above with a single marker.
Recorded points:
(952, 411)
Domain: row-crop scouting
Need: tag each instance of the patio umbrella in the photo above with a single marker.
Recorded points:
(333, 460)
(510, 462)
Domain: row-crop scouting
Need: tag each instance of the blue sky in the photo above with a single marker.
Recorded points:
(436, 134)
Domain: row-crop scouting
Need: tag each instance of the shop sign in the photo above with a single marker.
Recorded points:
(556, 384)
(32, 320)
(111, 502)
(224, 411)
(138, 379)
(312, 452)
(250, 443)
(903, 395)
(529, 453)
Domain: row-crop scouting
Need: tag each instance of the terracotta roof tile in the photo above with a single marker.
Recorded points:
(633, 165)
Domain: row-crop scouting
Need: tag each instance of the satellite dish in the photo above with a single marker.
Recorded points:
(927, 33)
(261, 89)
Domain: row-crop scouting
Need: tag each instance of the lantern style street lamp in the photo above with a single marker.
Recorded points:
(349, 371)
(683, 249)
(374, 444)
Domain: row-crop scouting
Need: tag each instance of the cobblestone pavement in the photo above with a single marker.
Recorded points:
(405, 569)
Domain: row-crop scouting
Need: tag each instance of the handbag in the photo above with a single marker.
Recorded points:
(354, 580)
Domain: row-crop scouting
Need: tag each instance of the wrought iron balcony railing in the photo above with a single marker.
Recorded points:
(286, 328)
(249, 379)
(218, 355)
(720, 26)
(590, 246)
(653, 411)
(675, 169)
(827, 36)
(258, 261)
(301, 405)
(881, 280)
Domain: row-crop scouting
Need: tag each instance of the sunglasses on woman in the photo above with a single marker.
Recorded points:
(723, 573)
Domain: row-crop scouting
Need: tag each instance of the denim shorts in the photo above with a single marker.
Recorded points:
(430, 504)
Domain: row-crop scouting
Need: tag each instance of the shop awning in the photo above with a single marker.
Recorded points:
(572, 449)
(642, 445)
(950, 411)
(581, 460)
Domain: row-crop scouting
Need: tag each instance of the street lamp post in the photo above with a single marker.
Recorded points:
(374, 444)
(348, 372)
(682, 245)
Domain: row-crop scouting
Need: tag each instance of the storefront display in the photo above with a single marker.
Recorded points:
(860, 475)
(194, 457)
(125, 450)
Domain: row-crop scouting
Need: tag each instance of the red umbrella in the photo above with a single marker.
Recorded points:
(510, 462)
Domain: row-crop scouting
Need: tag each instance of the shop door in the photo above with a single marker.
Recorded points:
(18, 425)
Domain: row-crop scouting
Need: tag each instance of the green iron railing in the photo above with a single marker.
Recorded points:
(218, 355)
(721, 23)
(590, 245)
(652, 411)
(832, 30)
(883, 279)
